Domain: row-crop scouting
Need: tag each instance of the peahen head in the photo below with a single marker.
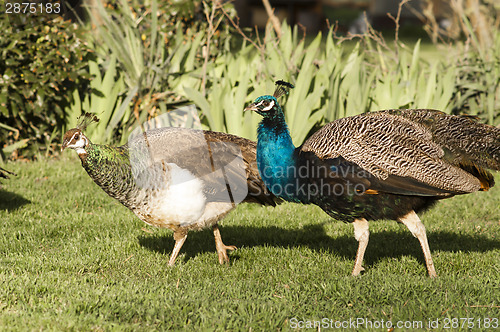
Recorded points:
(267, 105)
(74, 138)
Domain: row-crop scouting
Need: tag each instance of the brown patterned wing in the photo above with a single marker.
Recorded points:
(392, 148)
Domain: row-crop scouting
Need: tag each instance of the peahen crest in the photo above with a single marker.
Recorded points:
(86, 119)
(282, 88)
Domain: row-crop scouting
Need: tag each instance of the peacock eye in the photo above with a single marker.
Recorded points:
(266, 103)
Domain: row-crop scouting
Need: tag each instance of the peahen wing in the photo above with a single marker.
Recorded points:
(219, 160)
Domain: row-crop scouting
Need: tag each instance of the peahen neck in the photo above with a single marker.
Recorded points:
(276, 158)
(109, 167)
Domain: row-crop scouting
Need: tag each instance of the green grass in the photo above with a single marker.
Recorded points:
(74, 259)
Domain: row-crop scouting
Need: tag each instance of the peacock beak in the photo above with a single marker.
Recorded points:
(251, 107)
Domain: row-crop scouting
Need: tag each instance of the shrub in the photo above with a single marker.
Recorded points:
(42, 60)
(477, 88)
(154, 47)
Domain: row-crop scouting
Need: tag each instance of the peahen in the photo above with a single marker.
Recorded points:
(389, 164)
(179, 178)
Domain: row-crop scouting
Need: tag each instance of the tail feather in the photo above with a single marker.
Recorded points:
(474, 142)
(485, 177)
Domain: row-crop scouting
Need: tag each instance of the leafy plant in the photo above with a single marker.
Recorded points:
(105, 99)
(153, 58)
(317, 72)
(477, 87)
(229, 83)
(42, 61)
(412, 82)
(142, 59)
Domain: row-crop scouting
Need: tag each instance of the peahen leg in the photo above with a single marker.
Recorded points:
(179, 237)
(412, 221)
(220, 246)
(361, 233)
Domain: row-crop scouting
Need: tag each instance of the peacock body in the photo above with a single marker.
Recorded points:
(176, 178)
(389, 164)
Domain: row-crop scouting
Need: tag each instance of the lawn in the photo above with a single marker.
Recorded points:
(75, 259)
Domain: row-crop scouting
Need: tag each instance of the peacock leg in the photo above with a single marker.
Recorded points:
(412, 221)
(361, 233)
(179, 237)
(221, 247)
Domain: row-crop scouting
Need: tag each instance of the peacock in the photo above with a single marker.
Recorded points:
(389, 164)
(179, 178)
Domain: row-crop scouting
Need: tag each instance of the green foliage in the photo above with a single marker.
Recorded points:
(329, 84)
(42, 61)
(229, 82)
(349, 88)
(303, 67)
(81, 261)
(318, 73)
(150, 57)
(477, 90)
(405, 79)
(104, 99)
(155, 48)
(476, 60)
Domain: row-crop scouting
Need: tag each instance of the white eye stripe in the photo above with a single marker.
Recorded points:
(80, 138)
(270, 106)
(73, 137)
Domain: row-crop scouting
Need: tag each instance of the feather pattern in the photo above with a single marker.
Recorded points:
(412, 143)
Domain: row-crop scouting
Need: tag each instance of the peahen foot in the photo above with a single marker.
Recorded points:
(180, 238)
(221, 247)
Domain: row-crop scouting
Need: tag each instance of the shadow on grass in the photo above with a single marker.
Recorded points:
(11, 201)
(381, 244)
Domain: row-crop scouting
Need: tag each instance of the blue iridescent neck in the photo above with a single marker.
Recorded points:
(276, 156)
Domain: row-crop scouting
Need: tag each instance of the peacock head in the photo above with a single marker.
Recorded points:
(74, 138)
(267, 105)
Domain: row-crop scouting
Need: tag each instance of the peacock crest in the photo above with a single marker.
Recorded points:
(282, 88)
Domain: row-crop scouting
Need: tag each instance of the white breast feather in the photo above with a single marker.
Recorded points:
(182, 201)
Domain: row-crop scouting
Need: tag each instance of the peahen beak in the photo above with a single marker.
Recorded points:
(65, 144)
